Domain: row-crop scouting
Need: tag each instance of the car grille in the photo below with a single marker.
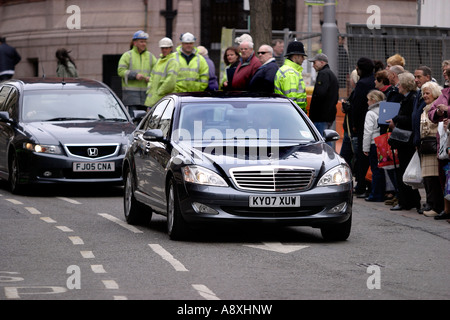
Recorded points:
(270, 178)
(92, 151)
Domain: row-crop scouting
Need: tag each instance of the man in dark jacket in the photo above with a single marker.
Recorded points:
(8, 60)
(322, 110)
(366, 83)
(263, 79)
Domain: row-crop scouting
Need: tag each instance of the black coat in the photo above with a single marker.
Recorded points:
(325, 96)
(359, 104)
(264, 78)
(403, 119)
(8, 57)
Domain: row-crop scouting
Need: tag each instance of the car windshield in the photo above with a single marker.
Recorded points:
(242, 120)
(62, 105)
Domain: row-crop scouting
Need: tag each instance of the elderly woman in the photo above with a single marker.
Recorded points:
(371, 131)
(408, 197)
(428, 160)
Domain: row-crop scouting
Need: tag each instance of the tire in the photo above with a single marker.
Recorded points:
(13, 178)
(337, 232)
(135, 212)
(176, 226)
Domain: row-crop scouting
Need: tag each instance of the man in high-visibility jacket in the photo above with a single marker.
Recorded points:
(164, 74)
(134, 68)
(288, 79)
(194, 70)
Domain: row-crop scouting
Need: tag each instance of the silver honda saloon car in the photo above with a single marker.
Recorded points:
(217, 157)
(55, 131)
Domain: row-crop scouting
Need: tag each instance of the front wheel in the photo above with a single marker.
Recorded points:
(176, 226)
(337, 232)
(135, 212)
(13, 178)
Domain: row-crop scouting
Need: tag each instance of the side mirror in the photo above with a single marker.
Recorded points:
(330, 135)
(4, 116)
(154, 135)
(138, 115)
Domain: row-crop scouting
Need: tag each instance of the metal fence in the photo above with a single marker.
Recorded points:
(420, 46)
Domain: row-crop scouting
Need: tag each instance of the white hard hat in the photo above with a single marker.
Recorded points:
(165, 43)
(187, 37)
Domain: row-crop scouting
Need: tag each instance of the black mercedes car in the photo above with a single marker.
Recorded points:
(55, 130)
(235, 157)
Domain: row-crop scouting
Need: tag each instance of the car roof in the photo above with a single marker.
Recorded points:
(215, 95)
(37, 83)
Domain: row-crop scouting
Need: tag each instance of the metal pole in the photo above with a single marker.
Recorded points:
(308, 68)
(330, 34)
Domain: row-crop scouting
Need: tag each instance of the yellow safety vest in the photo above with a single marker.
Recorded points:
(289, 82)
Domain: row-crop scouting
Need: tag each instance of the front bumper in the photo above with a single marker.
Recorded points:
(319, 205)
(46, 168)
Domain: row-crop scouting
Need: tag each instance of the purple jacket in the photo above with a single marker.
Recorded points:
(444, 98)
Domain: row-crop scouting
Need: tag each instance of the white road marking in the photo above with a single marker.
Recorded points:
(76, 240)
(48, 220)
(120, 298)
(64, 229)
(32, 210)
(205, 292)
(110, 284)
(14, 201)
(87, 254)
(277, 247)
(120, 222)
(68, 200)
(98, 268)
(168, 257)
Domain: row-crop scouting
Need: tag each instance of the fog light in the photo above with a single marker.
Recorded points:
(47, 174)
(201, 208)
(339, 208)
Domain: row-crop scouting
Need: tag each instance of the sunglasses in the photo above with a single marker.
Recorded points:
(261, 52)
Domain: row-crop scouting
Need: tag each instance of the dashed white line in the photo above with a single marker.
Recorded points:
(64, 229)
(120, 298)
(14, 201)
(168, 257)
(48, 220)
(120, 222)
(110, 284)
(205, 292)
(87, 254)
(98, 268)
(68, 200)
(32, 210)
(76, 240)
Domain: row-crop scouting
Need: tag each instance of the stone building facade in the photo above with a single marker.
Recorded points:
(98, 32)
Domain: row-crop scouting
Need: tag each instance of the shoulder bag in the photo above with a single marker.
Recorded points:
(400, 138)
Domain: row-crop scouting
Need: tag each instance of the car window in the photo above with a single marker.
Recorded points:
(57, 105)
(155, 115)
(242, 120)
(4, 91)
(11, 103)
(166, 118)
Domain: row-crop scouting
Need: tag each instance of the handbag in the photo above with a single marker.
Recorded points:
(442, 153)
(413, 173)
(387, 157)
(428, 145)
(399, 138)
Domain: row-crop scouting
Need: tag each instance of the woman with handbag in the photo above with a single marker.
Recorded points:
(428, 151)
(408, 197)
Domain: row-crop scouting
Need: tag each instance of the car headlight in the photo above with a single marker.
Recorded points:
(42, 148)
(199, 175)
(336, 176)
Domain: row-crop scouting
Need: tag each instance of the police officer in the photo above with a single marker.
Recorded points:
(134, 68)
(164, 74)
(288, 79)
(194, 70)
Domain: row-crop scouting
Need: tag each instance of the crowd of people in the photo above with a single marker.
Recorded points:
(423, 108)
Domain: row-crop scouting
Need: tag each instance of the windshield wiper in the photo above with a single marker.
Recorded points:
(68, 119)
